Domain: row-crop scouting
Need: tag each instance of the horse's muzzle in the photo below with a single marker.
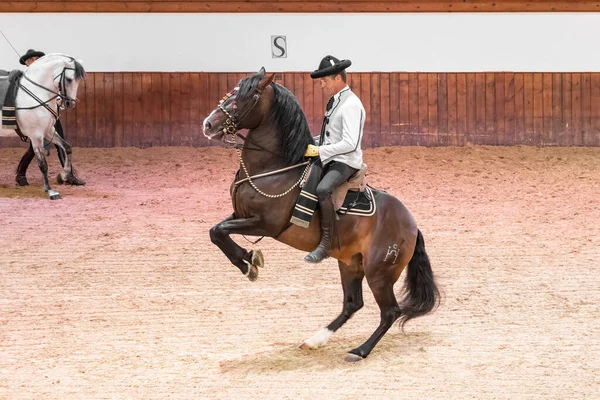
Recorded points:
(70, 103)
(209, 131)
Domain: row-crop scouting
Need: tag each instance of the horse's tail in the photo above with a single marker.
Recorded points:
(421, 292)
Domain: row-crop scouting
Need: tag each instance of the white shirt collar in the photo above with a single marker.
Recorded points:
(338, 94)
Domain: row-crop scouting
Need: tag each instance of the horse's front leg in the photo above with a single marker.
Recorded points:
(38, 149)
(247, 261)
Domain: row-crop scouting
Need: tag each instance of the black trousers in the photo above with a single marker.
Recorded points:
(30, 154)
(334, 174)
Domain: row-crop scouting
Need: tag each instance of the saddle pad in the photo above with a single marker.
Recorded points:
(359, 203)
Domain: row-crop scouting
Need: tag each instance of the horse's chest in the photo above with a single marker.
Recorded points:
(245, 200)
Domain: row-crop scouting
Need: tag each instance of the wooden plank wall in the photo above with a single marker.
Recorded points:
(278, 6)
(409, 109)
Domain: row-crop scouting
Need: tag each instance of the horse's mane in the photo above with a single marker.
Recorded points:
(287, 117)
(79, 70)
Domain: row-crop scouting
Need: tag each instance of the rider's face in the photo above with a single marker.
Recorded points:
(30, 61)
(329, 84)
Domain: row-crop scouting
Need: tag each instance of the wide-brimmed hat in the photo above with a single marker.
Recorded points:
(30, 53)
(330, 66)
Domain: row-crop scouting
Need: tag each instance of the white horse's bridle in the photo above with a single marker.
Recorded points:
(63, 101)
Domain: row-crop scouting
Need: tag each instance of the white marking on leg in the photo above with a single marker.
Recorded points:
(319, 338)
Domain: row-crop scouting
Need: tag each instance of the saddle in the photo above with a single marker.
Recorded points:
(352, 197)
(357, 183)
(9, 86)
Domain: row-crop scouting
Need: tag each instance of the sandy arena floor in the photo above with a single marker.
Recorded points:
(116, 292)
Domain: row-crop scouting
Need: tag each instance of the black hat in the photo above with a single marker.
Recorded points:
(330, 66)
(30, 53)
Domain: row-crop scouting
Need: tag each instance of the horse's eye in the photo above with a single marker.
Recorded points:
(69, 80)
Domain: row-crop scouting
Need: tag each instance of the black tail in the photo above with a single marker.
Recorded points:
(421, 292)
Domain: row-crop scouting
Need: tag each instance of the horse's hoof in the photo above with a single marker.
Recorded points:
(352, 358)
(53, 195)
(253, 273)
(257, 258)
(305, 346)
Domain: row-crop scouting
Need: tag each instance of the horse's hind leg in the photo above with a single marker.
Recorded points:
(381, 281)
(352, 277)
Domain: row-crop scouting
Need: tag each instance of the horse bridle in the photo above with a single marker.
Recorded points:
(59, 96)
(231, 125)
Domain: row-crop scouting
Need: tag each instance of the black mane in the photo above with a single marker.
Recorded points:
(79, 71)
(287, 116)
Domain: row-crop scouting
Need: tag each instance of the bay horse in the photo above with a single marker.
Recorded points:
(272, 164)
(47, 85)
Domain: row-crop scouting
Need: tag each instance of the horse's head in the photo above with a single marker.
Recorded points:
(59, 74)
(244, 107)
(73, 74)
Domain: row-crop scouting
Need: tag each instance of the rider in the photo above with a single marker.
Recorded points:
(27, 59)
(339, 146)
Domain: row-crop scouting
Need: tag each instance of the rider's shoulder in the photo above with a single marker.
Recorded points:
(352, 102)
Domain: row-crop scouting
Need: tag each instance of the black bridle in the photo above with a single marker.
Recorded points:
(231, 125)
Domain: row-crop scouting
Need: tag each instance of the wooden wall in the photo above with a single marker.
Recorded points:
(276, 6)
(426, 109)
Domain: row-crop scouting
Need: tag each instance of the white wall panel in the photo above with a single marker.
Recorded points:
(445, 42)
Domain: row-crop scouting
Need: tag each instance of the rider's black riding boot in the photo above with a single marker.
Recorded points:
(21, 179)
(327, 220)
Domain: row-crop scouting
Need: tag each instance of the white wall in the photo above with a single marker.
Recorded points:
(541, 42)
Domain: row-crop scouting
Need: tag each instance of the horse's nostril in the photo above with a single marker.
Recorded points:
(207, 125)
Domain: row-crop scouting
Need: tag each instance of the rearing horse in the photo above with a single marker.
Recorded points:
(378, 247)
(47, 85)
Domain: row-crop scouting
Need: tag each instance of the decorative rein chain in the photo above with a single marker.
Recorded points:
(272, 196)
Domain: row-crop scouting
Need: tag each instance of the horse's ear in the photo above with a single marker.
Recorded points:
(266, 81)
(262, 72)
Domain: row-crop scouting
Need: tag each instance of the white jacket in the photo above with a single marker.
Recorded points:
(344, 132)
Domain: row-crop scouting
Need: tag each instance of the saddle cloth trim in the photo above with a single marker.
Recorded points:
(363, 213)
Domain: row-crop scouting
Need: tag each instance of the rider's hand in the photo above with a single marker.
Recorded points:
(312, 151)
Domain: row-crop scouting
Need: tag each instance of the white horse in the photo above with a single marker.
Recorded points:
(48, 84)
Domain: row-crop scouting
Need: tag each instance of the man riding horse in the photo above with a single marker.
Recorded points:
(339, 146)
(266, 190)
(27, 59)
